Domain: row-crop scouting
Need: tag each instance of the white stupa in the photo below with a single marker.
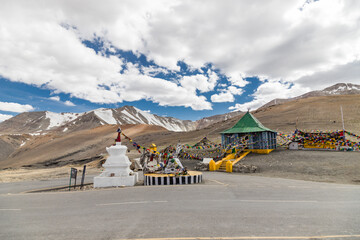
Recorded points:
(117, 168)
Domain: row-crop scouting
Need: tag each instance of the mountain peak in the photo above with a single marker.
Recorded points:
(337, 89)
(342, 88)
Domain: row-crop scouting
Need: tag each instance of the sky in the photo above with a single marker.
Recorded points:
(187, 59)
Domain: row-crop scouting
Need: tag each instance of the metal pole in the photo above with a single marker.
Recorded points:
(70, 179)
(75, 180)
(83, 177)
(342, 119)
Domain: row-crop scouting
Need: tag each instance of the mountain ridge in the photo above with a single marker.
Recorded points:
(44, 121)
(336, 89)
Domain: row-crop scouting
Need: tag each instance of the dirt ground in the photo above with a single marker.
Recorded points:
(321, 166)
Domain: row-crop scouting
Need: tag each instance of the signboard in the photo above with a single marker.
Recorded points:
(73, 174)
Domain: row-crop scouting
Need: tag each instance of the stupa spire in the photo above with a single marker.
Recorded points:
(118, 139)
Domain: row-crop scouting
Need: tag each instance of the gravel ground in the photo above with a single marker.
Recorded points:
(321, 166)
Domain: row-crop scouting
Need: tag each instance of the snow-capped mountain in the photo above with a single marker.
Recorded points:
(39, 122)
(42, 122)
(337, 89)
(36, 122)
(342, 89)
(133, 115)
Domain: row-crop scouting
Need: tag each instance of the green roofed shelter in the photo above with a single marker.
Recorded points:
(258, 136)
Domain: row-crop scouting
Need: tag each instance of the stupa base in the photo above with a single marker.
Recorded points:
(171, 179)
(100, 182)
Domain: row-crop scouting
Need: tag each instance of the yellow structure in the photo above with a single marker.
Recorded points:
(212, 165)
(153, 148)
(311, 144)
(227, 163)
(229, 166)
(260, 151)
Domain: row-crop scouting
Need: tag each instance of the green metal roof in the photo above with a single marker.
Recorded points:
(247, 124)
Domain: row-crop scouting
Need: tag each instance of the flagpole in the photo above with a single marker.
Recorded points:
(342, 119)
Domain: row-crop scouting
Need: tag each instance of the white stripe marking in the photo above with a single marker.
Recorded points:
(108, 204)
(247, 237)
(123, 203)
(280, 201)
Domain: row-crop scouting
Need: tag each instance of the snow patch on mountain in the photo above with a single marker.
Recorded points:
(341, 88)
(130, 118)
(150, 118)
(59, 119)
(171, 124)
(106, 115)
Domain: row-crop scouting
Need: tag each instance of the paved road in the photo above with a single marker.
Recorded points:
(227, 206)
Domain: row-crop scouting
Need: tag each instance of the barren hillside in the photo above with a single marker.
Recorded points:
(78, 147)
(314, 113)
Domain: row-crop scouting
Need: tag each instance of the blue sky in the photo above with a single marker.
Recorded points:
(184, 59)
(40, 97)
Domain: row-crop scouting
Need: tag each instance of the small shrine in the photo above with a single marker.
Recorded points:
(258, 138)
(117, 168)
(164, 169)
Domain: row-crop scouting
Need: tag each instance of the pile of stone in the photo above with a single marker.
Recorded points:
(202, 166)
(242, 168)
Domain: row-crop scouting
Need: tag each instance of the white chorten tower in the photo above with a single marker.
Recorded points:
(117, 168)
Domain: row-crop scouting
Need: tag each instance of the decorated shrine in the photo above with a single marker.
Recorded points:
(250, 132)
(164, 168)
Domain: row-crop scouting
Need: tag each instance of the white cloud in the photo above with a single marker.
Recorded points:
(227, 95)
(67, 103)
(347, 73)
(15, 107)
(37, 49)
(55, 98)
(222, 97)
(236, 79)
(283, 41)
(269, 91)
(70, 104)
(234, 90)
(4, 117)
(152, 70)
(133, 86)
(200, 82)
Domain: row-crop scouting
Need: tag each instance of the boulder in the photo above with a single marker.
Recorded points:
(242, 168)
(202, 166)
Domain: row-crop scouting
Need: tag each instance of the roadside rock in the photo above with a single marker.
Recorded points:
(242, 168)
(202, 166)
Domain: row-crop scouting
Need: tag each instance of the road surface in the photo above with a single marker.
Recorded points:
(225, 206)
